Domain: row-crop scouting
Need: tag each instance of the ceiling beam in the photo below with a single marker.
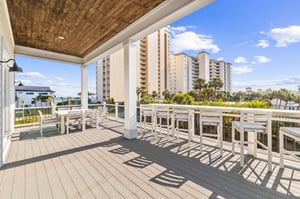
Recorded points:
(47, 55)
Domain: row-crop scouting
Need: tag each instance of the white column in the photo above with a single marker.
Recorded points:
(116, 111)
(2, 89)
(130, 65)
(1, 112)
(99, 86)
(84, 87)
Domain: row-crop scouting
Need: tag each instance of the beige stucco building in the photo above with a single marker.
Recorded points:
(152, 60)
(221, 70)
(184, 69)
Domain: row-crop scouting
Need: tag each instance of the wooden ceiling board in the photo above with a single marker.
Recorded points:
(85, 24)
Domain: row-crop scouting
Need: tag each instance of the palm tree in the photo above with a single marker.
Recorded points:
(195, 95)
(237, 96)
(154, 94)
(139, 91)
(206, 94)
(283, 95)
(167, 95)
(286, 96)
(199, 84)
(275, 95)
(215, 83)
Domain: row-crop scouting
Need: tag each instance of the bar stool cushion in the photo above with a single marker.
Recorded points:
(249, 126)
(292, 131)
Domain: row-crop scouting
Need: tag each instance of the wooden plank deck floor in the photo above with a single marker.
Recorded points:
(100, 163)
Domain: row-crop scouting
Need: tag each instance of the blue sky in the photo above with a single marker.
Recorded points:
(261, 38)
(63, 78)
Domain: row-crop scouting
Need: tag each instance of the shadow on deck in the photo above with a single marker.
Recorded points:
(103, 164)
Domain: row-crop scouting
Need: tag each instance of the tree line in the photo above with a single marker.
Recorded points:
(211, 92)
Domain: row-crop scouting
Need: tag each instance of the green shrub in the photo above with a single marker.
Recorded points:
(147, 99)
(252, 104)
(110, 100)
(183, 98)
(167, 101)
(255, 104)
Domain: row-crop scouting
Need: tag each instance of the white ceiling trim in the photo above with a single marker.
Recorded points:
(47, 55)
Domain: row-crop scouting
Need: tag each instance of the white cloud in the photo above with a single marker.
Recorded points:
(285, 36)
(178, 29)
(241, 70)
(220, 59)
(270, 83)
(240, 60)
(263, 43)
(49, 81)
(189, 40)
(262, 59)
(33, 75)
(58, 78)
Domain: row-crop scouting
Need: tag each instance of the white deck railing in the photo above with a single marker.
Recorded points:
(28, 116)
(279, 118)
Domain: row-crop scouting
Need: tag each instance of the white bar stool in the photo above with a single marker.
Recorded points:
(180, 115)
(290, 132)
(253, 122)
(212, 118)
(146, 111)
(162, 113)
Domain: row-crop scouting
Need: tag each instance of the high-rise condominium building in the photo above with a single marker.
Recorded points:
(182, 72)
(185, 69)
(221, 70)
(152, 63)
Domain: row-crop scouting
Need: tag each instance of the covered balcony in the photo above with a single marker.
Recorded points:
(108, 162)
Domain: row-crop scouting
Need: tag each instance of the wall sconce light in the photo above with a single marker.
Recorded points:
(15, 67)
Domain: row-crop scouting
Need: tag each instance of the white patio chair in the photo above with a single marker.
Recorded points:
(180, 116)
(290, 132)
(102, 113)
(211, 118)
(253, 122)
(74, 118)
(162, 113)
(146, 113)
(91, 118)
(44, 121)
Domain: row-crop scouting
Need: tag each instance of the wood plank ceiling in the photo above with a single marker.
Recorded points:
(84, 24)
